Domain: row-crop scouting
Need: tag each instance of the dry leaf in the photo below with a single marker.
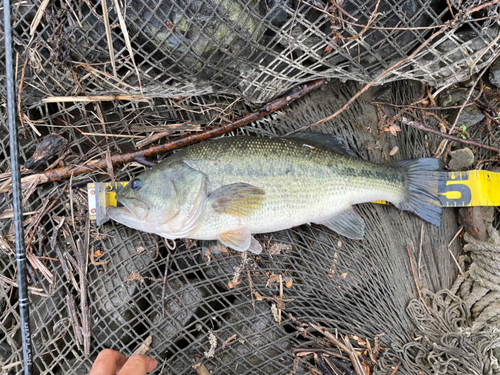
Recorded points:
(289, 283)
(359, 340)
(393, 129)
(339, 244)
(232, 285)
(344, 275)
(98, 253)
(327, 49)
(394, 150)
(274, 277)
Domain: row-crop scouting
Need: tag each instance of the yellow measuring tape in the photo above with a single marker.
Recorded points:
(455, 189)
(470, 188)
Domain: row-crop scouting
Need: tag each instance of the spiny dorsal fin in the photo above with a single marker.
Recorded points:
(329, 140)
(347, 223)
(239, 200)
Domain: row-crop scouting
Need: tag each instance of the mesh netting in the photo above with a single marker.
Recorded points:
(229, 54)
(360, 288)
(252, 49)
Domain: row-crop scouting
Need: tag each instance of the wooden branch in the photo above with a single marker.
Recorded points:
(443, 28)
(184, 140)
(467, 142)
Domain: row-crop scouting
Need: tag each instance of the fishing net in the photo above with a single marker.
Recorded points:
(360, 288)
(251, 49)
(206, 62)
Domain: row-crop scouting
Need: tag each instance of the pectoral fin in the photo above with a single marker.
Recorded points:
(347, 223)
(238, 239)
(239, 200)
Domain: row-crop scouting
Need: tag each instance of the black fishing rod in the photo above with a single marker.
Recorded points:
(17, 195)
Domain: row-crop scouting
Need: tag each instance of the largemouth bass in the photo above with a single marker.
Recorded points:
(230, 188)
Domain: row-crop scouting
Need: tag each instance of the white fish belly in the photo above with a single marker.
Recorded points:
(290, 204)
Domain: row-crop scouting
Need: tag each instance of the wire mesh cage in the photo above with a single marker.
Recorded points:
(358, 288)
(200, 63)
(252, 49)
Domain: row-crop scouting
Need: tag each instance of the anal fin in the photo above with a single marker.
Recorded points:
(255, 246)
(347, 223)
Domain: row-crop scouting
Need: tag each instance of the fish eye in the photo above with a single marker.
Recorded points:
(136, 184)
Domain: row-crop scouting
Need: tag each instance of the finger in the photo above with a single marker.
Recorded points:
(138, 364)
(108, 362)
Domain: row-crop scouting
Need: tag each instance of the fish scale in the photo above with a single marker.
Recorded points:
(303, 183)
(230, 188)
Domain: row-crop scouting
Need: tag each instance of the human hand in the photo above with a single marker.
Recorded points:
(110, 362)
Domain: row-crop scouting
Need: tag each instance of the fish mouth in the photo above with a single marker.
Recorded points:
(131, 207)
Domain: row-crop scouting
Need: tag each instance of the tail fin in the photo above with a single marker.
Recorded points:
(421, 185)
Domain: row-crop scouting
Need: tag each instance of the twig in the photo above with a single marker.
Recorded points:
(420, 126)
(73, 317)
(38, 17)
(109, 38)
(108, 152)
(11, 365)
(9, 282)
(19, 101)
(442, 29)
(453, 256)
(95, 98)
(153, 138)
(468, 97)
(200, 369)
(352, 354)
(416, 282)
(233, 337)
(450, 8)
(93, 261)
(72, 264)
(396, 368)
(483, 52)
(83, 298)
(87, 242)
(281, 297)
(123, 26)
(422, 108)
(184, 140)
(42, 214)
(377, 79)
(354, 358)
(307, 351)
(63, 262)
(163, 288)
(318, 359)
(145, 346)
(365, 27)
(420, 248)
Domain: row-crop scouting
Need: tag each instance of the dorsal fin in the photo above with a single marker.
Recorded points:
(329, 140)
